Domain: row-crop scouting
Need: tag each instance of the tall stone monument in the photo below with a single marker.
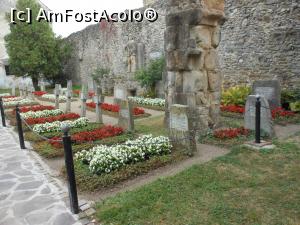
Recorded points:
(193, 77)
(83, 97)
(126, 120)
(98, 99)
(56, 93)
(69, 95)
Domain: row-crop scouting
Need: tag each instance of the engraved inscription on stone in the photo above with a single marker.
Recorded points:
(267, 92)
(179, 122)
(124, 113)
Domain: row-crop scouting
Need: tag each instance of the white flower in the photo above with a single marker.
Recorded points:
(19, 102)
(4, 94)
(53, 97)
(56, 126)
(148, 101)
(104, 159)
(40, 114)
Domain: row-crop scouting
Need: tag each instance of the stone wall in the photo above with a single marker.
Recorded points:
(114, 46)
(261, 40)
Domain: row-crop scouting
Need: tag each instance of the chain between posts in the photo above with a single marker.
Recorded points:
(37, 134)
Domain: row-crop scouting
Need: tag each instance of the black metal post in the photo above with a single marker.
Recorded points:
(2, 113)
(70, 171)
(257, 120)
(20, 129)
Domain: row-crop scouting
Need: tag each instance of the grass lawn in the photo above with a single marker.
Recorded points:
(244, 187)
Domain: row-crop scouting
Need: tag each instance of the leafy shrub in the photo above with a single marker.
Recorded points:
(150, 75)
(236, 96)
(295, 106)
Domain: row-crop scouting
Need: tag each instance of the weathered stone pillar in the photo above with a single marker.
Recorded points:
(42, 85)
(193, 79)
(83, 97)
(57, 92)
(98, 99)
(13, 90)
(69, 96)
(126, 120)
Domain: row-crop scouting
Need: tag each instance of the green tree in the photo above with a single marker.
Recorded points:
(33, 48)
(148, 77)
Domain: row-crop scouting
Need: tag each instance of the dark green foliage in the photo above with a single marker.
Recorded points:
(33, 48)
(150, 75)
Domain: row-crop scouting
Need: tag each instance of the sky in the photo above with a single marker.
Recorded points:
(85, 6)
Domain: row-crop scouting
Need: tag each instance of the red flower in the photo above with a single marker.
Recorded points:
(230, 133)
(35, 108)
(115, 108)
(280, 112)
(63, 117)
(9, 96)
(77, 92)
(39, 93)
(91, 94)
(89, 136)
(233, 109)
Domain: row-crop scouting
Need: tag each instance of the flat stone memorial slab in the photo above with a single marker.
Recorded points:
(266, 122)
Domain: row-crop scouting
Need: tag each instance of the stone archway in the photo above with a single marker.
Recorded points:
(193, 78)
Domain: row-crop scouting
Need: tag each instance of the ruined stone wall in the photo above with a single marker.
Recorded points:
(261, 40)
(106, 45)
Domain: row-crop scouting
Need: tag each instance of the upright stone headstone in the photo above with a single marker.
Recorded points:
(13, 89)
(83, 97)
(270, 89)
(120, 93)
(98, 99)
(181, 129)
(69, 95)
(126, 120)
(266, 122)
(31, 92)
(56, 93)
(42, 85)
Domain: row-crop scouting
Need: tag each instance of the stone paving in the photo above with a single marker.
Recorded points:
(28, 195)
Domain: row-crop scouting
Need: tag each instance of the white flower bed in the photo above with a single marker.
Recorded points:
(104, 159)
(56, 126)
(40, 114)
(21, 103)
(148, 101)
(53, 97)
(4, 95)
(12, 99)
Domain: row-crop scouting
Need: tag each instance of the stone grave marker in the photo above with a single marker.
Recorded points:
(270, 89)
(181, 132)
(266, 122)
(98, 99)
(83, 97)
(120, 93)
(126, 120)
(13, 89)
(42, 85)
(56, 93)
(69, 95)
